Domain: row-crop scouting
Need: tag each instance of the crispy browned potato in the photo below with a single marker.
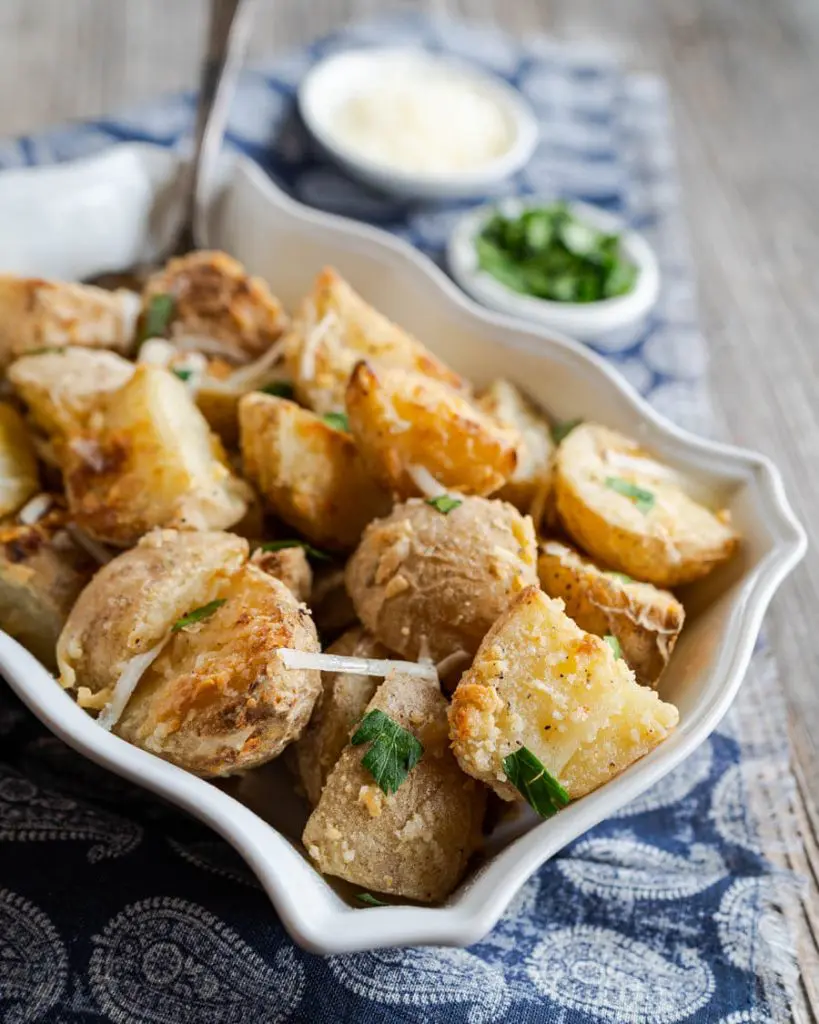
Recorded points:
(145, 459)
(19, 475)
(289, 565)
(132, 602)
(529, 488)
(308, 471)
(632, 513)
(36, 314)
(339, 709)
(214, 297)
(218, 700)
(415, 843)
(405, 424)
(425, 582)
(60, 388)
(335, 328)
(538, 681)
(42, 572)
(645, 620)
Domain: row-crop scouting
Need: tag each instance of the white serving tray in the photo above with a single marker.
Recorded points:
(74, 220)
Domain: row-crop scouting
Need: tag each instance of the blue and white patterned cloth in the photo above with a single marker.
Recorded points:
(115, 907)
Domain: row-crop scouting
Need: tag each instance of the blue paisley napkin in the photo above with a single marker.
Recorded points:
(116, 907)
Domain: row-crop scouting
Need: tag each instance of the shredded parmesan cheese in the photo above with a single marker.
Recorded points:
(425, 481)
(126, 684)
(314, 337)
(248, 375)
(96, 550)
(291, 658)
(34, 510)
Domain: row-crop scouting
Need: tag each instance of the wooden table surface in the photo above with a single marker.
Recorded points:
(745, 81)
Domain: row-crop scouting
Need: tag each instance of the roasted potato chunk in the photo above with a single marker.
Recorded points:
(343, 701)
(214, 297)
(333, 330)
(60, 388)
(632, 514)
(308, 472)
(42, 572)
(37, 314)
(538, 681)
(425, 582)
(406, 424)
(147, 458)
(331, 605)
(132, 602)
(19, 476)
(289, 565)
(416, 842)
(529, 488)
(645, 620)
(218, 700)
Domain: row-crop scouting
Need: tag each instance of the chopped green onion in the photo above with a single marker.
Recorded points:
(156, 317)
(614, 644)
(539, 789)
(337, 420)
(644, 500)
(198, 614)
(309, 550)
(444, 503)
(182, 374)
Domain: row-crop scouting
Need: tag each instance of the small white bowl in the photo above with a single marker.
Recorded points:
(584, 320)
(336, 79)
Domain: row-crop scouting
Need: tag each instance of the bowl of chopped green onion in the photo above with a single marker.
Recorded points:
(570, 266)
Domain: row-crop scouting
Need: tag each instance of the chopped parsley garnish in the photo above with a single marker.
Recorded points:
(182, 374)
(393, 752)
(45, 350)
(644, 500)
(549, 253)
(279, 389)
(444, 503)
(539, 789)
(369, 899)
(198, 614)
(337, 420)
(156, 317)
(621, 576)
(560, 431)
(614, 644)
(309, 550)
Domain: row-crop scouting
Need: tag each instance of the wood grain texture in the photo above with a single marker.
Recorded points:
(745, 83)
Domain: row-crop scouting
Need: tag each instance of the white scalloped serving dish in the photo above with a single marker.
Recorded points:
(74, 220)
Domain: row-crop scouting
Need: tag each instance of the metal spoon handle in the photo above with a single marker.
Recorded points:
(228, 37)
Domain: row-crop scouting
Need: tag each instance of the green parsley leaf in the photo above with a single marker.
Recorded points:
(393, 753)
(444, 503)
(614, 644)
(337, 420)
(621, 576)
(370, 900)
(156, 317)
(560, 431)
(541, 790)
(644, 500)
(279, 389)
(182, 374)
(309, 550)
(198, 614)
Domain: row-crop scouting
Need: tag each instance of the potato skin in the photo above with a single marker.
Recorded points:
(37, 314)
(218, 700)
(216, 298)
(289, 565)
(402, 420)
(335, 328)
(308, 472)
(538, 681)
(61, 388)
(415, 843)
(42, 573)
(19, 473)
(148, 459)
(133, 601)
(644, 619)
(529, 488)
(675, 542)
(422, 581)
(339, 709)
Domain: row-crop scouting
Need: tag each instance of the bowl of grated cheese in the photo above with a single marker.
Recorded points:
(415, 124)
